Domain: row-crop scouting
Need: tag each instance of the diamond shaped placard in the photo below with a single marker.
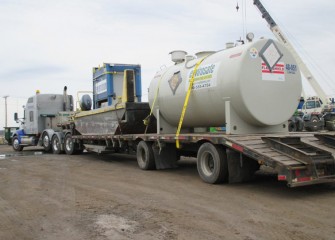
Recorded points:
(271, 54)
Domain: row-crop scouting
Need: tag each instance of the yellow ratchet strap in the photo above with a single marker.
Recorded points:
(186, 101)
(146, 120)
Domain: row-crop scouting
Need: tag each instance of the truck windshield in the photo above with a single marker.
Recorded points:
(310, 104)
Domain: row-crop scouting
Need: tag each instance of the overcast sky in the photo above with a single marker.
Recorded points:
(47, 44)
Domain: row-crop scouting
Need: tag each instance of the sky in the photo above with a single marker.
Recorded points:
(48, 44)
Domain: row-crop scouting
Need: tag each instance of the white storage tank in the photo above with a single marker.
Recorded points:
(256, 78)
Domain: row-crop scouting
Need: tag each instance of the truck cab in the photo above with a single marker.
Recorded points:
(312, 105)
(43, 116)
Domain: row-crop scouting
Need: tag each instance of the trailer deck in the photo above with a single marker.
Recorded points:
(298, 158)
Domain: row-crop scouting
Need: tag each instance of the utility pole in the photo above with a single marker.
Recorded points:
(5, 97)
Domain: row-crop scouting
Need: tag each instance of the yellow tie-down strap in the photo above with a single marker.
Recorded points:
(186, 101)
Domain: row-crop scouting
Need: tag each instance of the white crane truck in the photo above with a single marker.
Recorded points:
(214, 89)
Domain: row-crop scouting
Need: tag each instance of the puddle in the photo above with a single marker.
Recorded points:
(19, 154)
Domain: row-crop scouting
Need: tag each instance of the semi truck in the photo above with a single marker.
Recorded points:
(239, 89)
(43, 115)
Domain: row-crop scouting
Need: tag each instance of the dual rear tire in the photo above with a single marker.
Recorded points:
(70, 146)
(212, 163)
(57, 147)
(145, 156)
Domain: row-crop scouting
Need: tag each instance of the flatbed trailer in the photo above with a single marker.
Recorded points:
(298, 158)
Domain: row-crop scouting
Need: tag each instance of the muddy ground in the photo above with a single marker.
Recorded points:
(46, 196)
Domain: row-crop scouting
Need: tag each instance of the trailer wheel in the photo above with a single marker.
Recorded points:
(16, 144)
(212, 163)
(313, 124)
(46, 143)
(145, 156)
(299, 124)
(291, 126)
(56, 145)
(69, 145)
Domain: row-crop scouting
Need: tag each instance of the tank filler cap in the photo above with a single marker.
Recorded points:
(178, 56)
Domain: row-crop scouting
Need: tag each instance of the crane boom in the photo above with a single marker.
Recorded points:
(283, 39)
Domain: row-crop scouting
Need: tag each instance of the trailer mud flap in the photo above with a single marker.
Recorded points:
(240, 167)
(165, 157)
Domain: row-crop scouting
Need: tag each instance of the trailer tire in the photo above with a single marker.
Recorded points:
(212, 163)
(145, 156)
(69, 145)
(299, 124)
(16, 144)
(46, 143)
(291, 126)
(313, 124)
(56, 145)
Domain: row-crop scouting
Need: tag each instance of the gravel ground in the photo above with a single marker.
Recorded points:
(46, 196)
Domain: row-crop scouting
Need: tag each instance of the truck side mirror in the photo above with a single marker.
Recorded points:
(16, 119)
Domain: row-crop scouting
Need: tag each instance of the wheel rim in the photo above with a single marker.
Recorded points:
(56, 144)
(207, 164)
(46, 141)
(16, 143)
(68, 144)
